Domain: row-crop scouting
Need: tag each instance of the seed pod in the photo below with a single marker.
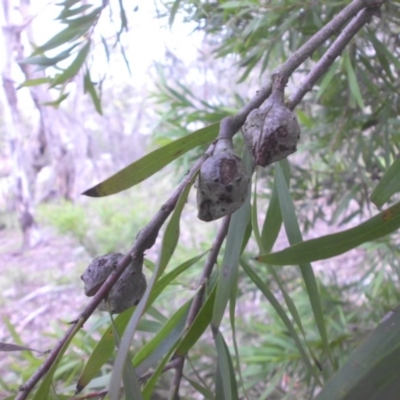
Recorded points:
(126, 292)
(271, 132)
(222, 184)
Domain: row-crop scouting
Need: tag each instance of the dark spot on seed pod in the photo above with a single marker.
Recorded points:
(202, 192)
(102, 262)
(282, 131)
(216, 180)
(294, 148)
(223, 209)
(227, 170)
(229, 188)
(205, 211)
(271, 143)
(225, 199)
(283, 148)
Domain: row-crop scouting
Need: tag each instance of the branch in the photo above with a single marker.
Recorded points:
(299, 56)
(145, 240)
(330, 56)
(198, 300)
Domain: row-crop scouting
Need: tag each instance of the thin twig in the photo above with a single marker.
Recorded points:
(300, 55)
(330, 56)
(198, 299)
(172, 364)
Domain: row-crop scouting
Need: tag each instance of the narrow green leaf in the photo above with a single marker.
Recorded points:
(153, 162)
(380, 47)
(43, 390)
(173, 12)
(254, 215)
(199, 325)
(75, 66)
(332, 245)
(230, 262)
(106, 49)
(56, 103)
(327, 79)
(204, 391)
(87, 19)
(68, 3)
(151, 383)
(123, 17)
(372, 370)
(70, 12)
(129, 377)
(49, 61)
(232, 319)
(103, 350)
(282, 314)
(353, 83)
(67, 35)
(34, 82)
(164, 281)
(273, 219)
(171, 235)
(294, 235)
(6, 347)
(388, 185)
(225, 370)
(17, 339)
(89, 87)
(247, 236)
(161, 343)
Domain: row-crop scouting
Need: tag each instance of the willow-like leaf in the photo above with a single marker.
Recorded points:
(151, 163)
(388, 185)
(230, 262)
(371, 372)
(332, 245)
(294, 235)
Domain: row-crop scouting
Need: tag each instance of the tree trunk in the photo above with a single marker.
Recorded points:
(16, 131)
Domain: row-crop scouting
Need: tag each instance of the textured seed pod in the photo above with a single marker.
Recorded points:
(126, 292)
(222, 184)
(271, 133)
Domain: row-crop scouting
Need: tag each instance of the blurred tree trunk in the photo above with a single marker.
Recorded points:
(53, 140)
(16, 132)
(54, 137)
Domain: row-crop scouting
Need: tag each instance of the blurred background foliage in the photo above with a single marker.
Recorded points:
(349, 138)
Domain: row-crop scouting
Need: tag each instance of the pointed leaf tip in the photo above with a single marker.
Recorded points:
(92, 192)
(78, 388)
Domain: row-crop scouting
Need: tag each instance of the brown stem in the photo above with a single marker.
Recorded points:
(295, 60)
(330, 56)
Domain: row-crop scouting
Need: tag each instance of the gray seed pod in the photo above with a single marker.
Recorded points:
(271, 133)
(126, 292)
(222, 184)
